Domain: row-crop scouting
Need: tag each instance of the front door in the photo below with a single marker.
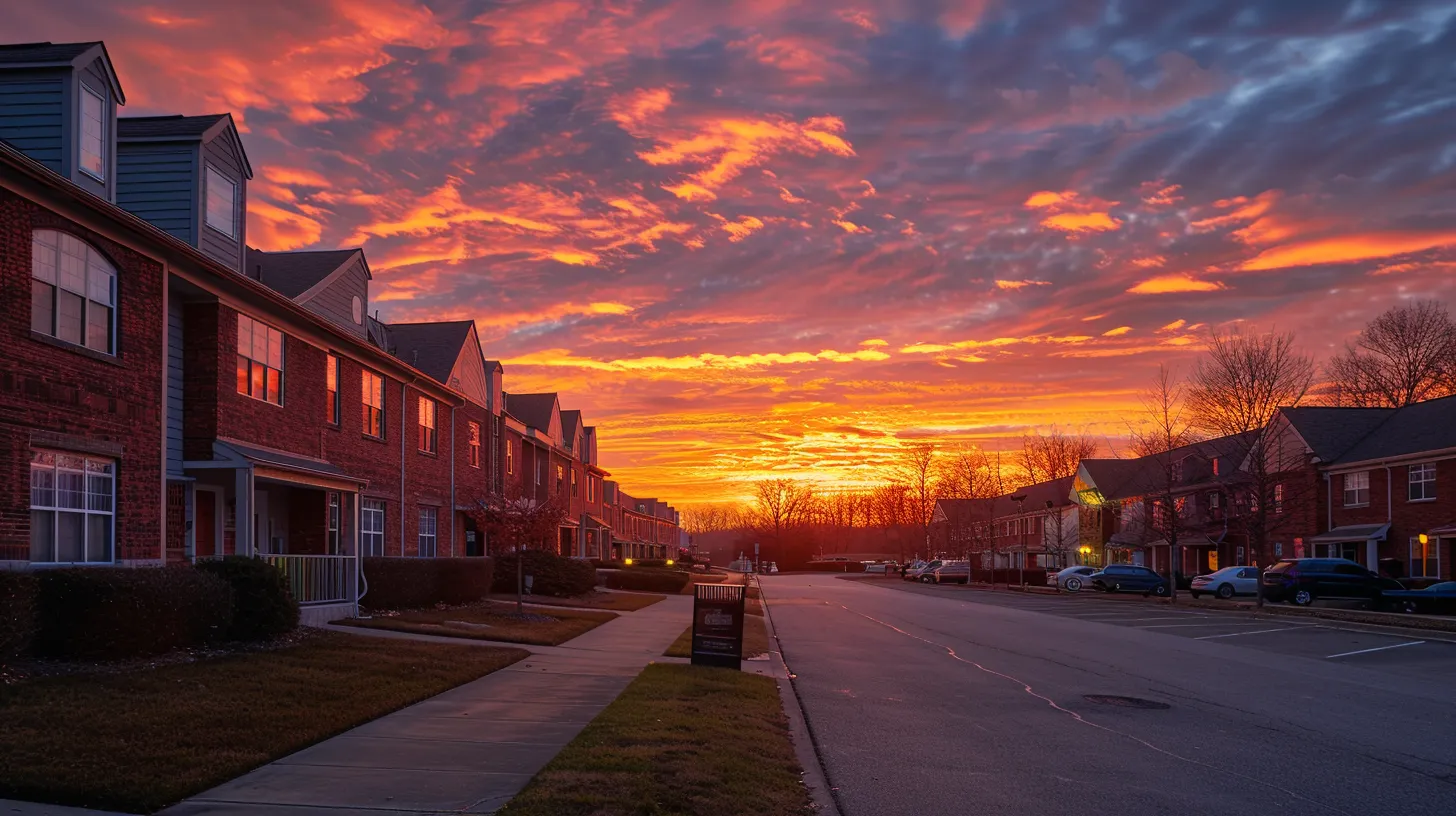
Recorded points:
(205, 525)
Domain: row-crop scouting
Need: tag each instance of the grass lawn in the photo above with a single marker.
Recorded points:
(755, 639)
(614, 601)
(680, 739)
(141, 740)
(491, 621)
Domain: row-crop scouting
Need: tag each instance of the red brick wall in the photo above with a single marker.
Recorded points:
(427, 476)
(1408, 519)
(361, 456)
(60, 397)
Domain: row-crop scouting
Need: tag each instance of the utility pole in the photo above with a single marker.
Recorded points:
(1021, 531)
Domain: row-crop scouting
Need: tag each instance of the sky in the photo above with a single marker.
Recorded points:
(769, 238)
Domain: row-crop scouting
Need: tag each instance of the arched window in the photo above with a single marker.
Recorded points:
(72, 291)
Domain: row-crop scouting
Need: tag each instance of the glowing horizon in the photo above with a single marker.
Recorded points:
(769, 238)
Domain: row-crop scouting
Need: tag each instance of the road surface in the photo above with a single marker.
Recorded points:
(947, 700)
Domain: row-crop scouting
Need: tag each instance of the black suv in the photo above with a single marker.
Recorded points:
(1129, 578)
(1301, 581)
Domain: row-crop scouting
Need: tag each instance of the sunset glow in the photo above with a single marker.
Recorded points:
(764, 238)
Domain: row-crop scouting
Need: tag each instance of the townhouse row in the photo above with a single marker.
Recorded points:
(1372, 485)
(168, 393)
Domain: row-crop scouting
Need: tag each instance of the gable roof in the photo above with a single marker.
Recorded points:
(54, 55)
(431, 347)
(293, 273)
(532, 409)
(175, 126)
(1331, 432)
(569, 422)
(1417, 428)
(1131, 478)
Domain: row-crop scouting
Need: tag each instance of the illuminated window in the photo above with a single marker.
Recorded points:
(428, 435)
(474, 444)
(260, 360)
(373, 404)
(573, 483)
(72, 510)
(331, 385)
(510, 457)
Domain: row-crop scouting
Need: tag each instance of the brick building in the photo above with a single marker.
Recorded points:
(170, 393)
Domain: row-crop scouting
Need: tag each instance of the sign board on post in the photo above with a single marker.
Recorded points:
(718, 625)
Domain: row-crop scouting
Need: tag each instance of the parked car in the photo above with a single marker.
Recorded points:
(741, 565)
(1128, 578)
(954, 573)
(1437, 599)
(877, 569)
(1302, 581)
(1226, 583)
(918, 573)
(1071, 579)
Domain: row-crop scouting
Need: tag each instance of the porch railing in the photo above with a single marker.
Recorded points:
(318, 579)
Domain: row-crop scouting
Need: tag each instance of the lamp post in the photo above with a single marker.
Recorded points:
(1021, 532)
(1425, 540)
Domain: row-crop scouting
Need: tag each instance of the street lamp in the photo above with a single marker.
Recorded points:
(1021, 531)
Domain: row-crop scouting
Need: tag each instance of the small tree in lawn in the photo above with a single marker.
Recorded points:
(513, 523)
(1164, 430)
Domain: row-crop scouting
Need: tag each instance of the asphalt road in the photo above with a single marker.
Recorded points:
(954, 701)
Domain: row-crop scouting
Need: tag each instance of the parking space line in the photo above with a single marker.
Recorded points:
(1376, 649)
(1260, 632)
(1132, 620)
(1185, 625)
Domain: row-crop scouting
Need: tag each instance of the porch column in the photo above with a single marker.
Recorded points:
(242, 512)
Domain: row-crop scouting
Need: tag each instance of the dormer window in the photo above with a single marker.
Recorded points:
(222, 203)
(93, 133)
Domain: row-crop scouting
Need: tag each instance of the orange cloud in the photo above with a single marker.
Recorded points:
(633, 110)
(728, 146)
(1117, 332)
(1174, 326)
(1167, 284)
(1014, 285)
(1070, 213)
(1047, 198)
(851, 227)
(742, 228)
(1347, 249)
(1082, 222)
(275, 229)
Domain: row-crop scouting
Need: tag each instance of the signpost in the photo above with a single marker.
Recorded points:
(718, 625)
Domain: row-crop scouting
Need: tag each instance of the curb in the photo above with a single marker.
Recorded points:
(816, 778)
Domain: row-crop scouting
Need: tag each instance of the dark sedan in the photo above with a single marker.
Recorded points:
(1438, 599)
(1129, 578)
(1302, 581)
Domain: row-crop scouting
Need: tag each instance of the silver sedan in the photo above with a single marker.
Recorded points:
(1072, 578)
(1227, 582)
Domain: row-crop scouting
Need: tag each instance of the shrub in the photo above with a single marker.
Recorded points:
(263, 605)
(411, 583)
(647, 579)
(551, 574)
(109, 613)
(464, 580)
(650, 562)
(17, 613)
(835, 566)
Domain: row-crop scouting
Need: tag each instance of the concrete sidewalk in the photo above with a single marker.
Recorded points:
(468, 750)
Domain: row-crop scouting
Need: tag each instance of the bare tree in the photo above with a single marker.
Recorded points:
(514, 522)
(917, 470)
(780, 505)
(1234, 393)
(890, 509)
(1053, 454)
(1164, 430)
(1405, 355)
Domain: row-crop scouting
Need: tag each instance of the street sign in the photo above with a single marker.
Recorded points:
(718, 625)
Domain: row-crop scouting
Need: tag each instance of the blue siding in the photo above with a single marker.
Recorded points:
(31, 113)
(221, 155)
(174, 387)
(158, 184)
(94, 77)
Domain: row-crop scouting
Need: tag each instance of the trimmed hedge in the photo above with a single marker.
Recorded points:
(108, 613)
(412, 583)
(18, 591)
(551, 574)
(650, 562)
(263, 604)
(835, 566)
(648, 579)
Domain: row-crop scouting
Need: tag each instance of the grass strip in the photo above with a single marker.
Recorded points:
(680, 739)
(140, 740)
(755, 639)
(491, 621)
(612, 601)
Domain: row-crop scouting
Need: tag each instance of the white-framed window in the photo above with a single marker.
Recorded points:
(331, 387)
(222, 203)
(1422, 483)
(474, 428)
(428, 542)
(1357, 488)
(428, 434)
(72, 291)
(1425, 559)
(93, 132)
(334, 541)
(371, 527)
(373, 401)
(260, 360)
(510, 458)
(591, 488)
(72, 508)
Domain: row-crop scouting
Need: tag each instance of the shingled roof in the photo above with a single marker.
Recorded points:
(1331, 432)
(1424, 426)
(431, 347)
(168, 127)
(532, 409)
(293, 273)
(569, 421)
(47, 54)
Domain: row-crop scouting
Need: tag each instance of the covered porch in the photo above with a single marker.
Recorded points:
(1356, 542)
(596, 537)
(299, 514)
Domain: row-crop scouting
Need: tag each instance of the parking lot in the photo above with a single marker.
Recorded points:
(1373, 647)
